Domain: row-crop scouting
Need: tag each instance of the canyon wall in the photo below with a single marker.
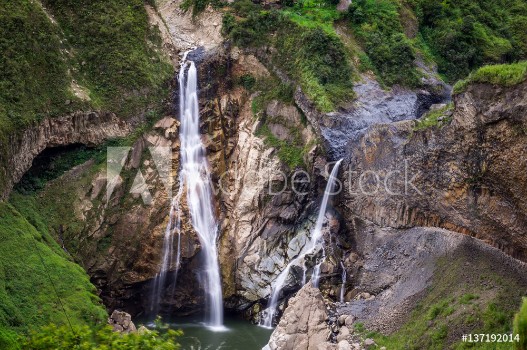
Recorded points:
(466, 176)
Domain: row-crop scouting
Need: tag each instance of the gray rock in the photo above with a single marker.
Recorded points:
(303, 325)
(343, 334)
(121, 322)
(344, 345)
(368, 343)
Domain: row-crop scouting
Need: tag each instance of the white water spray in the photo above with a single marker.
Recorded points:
(309, 248)
(196, 177)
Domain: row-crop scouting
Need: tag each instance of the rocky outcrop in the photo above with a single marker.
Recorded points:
(90, 128)
(303, 324)
(467, 176)
(121, 322)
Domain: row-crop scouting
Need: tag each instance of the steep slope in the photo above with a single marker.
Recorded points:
(39, 283)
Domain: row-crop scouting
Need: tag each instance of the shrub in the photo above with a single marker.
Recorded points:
(307, 47)
(247, 81)
(465, 34)
(377, 25)
(63, 338)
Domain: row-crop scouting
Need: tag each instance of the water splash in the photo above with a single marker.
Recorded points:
(309, 248)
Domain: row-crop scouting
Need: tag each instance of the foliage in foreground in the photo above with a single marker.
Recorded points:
(500, 74)
(85, 338)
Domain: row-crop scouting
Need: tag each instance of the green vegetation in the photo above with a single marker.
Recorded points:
(114, 52)
(466, 34)
(434, 118)
(100, 338)
(307, 47)
(501, 74)
(103, 50)
(33, 71)
(290, 152)
(377, 24)
(33, 271)
(441, 317)
(520, 326)
(52, 163)
(198, 6)
(268, 90)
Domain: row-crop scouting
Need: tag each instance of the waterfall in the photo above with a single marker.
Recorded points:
(160, 279)
(309, 248)
(196, 177)
(343, 287)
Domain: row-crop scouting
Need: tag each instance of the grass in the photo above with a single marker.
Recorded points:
(500, 74)
(32, 268)
(520, 326)
(115, 52)
(432, 118)
(290, 153)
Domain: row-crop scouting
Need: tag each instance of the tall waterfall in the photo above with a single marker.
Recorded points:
(309, 248)
(196, 177)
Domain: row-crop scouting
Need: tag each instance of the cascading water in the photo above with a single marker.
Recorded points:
(174, 224)
(343, 287)
(160, 279)
(309, 248)
(196, 177)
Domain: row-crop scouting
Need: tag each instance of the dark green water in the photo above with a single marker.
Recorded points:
(238, 335)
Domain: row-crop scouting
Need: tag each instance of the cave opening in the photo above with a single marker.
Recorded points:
(53, 162)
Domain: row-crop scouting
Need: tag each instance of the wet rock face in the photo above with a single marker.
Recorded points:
(89, 128)
(375, 105)
(467, 176)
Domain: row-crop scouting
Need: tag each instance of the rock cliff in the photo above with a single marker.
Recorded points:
(466, 176)
(88, 128)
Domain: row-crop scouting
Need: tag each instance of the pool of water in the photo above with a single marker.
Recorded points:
(238, 334)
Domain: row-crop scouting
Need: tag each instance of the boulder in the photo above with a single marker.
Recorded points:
(344, 333)
(303, 324)
(122, 322)
(344, 345)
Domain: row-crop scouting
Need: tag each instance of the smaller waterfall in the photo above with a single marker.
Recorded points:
(343, 287)
(309, 248)
(166, 260)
